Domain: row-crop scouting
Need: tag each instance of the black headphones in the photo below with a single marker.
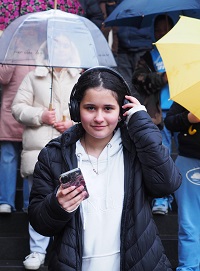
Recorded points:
(74, 105)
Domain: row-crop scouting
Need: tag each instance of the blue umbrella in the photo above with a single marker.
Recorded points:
(133, 12)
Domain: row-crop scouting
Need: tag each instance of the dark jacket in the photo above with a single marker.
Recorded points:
(92, 11)
(133, 39)
(148, 84)
(188, 139)
(149, 171)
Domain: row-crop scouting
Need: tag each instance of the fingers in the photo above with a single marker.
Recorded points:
(132, 100)
(192, 118)
(49, 117)
(61, 126)
(71, 197)
(132, 103)
(52, 117)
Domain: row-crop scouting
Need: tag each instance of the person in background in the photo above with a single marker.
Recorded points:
(43, 121)
(120, 153)
(133, 42)
(187, 125)
(10, 136)
(107, 6)
(150, 80)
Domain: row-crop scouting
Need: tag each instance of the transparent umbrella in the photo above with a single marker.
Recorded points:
(54, 38)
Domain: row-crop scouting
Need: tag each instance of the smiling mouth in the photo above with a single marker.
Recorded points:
(98, 126)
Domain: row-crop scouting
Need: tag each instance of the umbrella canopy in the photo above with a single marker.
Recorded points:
(180, 51)
(132, 12)
(54, 38)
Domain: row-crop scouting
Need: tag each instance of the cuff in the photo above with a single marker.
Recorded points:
(134, 110)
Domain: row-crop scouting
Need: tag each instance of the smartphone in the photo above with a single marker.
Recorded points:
(73, 177)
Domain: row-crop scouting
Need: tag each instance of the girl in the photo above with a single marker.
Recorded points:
(123, 161)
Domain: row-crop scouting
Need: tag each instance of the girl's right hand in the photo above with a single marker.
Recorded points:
(71, 197)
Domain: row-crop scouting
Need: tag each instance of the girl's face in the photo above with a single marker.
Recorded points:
(99, 111)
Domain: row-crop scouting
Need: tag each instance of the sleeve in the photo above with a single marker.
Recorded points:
(134, 110)
(176, 119)
(45, 214)
(160, 175)
(6, 73)
(145, 79)
(22, 106)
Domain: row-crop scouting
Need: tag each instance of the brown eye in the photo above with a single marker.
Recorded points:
(108, 108)
(90, 108)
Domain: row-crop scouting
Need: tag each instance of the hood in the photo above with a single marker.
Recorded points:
(174, 15)
(107, 153)
(67, 142)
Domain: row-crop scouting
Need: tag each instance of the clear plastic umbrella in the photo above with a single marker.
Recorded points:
(54, 38)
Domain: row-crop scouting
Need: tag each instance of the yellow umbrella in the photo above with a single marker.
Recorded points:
(180, 51)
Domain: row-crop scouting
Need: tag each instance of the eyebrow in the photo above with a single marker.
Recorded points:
(95, 104)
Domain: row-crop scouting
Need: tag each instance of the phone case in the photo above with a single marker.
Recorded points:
(73, 177)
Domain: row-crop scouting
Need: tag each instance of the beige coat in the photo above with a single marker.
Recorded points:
(32, 98)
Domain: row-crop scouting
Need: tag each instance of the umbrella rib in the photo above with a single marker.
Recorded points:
(51, 90)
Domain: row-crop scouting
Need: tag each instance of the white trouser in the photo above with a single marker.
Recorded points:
(38, 242)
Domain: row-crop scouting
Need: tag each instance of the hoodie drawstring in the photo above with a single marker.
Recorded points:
(108, 174)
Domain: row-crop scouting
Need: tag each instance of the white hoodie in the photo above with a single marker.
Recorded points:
(101, 212)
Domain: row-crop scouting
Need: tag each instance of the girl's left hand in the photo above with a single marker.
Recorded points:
(131, 102)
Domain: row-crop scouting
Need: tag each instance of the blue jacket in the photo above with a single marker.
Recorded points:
(132, 39)
(149, 171)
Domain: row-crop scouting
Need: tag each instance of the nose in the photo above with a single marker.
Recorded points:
(99, 116)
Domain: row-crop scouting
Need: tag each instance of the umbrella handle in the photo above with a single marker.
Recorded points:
(191, 131)
(50, 106)
(55, 4)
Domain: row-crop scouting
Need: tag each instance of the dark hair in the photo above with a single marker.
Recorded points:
(165, 17)
(105, 79)
(99, 76)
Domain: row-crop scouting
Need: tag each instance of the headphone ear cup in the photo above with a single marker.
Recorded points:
(74, 111)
